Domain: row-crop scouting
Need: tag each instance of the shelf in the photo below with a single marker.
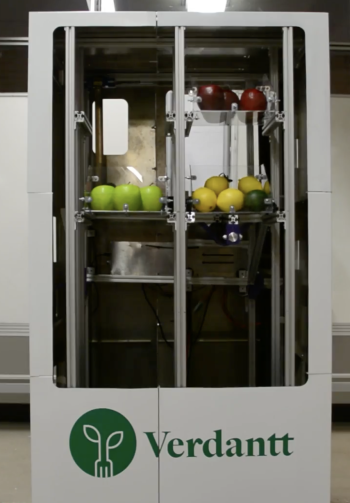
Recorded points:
(215, 280)
(200, 243)
(214, 216)
(126, 215)
(167, 280)
(113, 278)
(243, 216)
(230, 118)
(269, 120)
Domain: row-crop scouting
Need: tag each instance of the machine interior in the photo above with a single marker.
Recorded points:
(235, 302)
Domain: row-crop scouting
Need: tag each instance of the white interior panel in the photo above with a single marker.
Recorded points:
(13, 210)
(205, 148)
(115, 127)
(340, 113)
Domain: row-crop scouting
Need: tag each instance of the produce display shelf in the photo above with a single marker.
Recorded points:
(230, 118)
(211, 280)
(114, 278)
(243, 216)
(126, 215)
(168, 280)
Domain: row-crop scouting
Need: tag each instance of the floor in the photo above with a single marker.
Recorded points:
(15, 463)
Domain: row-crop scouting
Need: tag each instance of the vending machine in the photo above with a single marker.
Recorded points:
(179, 192)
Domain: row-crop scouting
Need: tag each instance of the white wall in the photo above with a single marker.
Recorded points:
(13, 210)
(340, 110)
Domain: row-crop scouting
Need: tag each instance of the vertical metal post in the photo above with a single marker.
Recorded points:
(169, 108)
(179, 207)
(275, 238)
(169, 159)
(227, 150)
(251, 318)
(70, 209)
(101, 170)
(289, 204)
(82, 336)
(250, 149)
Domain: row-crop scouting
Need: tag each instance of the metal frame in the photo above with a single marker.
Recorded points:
(71, 302)
(42, 27)
(289, 198)
(180, 286)
(275, 238)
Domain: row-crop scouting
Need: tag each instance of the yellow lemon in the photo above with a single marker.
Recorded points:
(249, 183)
(230, 197)
(217, 184)
(207, 199)
(267, 188)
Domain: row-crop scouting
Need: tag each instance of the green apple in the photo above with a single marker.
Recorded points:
(150, 198)
(102, 198)
(127, 194)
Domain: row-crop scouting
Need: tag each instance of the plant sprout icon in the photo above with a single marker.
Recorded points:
(103, 464)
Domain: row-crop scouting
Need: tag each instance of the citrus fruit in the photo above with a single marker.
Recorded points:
(267, 188)
(249, 183)
(217, 184)
(255, 200)
(102, 198)
(207, 199)
(230, 197)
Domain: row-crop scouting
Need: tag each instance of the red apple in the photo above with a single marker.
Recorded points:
(253, 99)
(212, 97)
(230, 98)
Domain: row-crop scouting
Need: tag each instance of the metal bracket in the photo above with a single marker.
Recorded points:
(163, 179)
(171, 218)
(243, 275)
(190, 217)
(171, 116)
(233, 219)
(272, 121)
(189, 279)
(86, 199)
(81, 118)
(281, 218)
(79, 217)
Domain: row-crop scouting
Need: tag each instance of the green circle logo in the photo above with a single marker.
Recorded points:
(102, 443)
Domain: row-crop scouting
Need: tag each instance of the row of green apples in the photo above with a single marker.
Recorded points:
(109, 198)
(216, 193)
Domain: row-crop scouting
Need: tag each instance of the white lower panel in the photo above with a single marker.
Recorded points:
(57, 478)
(206, 471)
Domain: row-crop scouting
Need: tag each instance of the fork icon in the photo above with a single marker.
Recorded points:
(103, 464)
